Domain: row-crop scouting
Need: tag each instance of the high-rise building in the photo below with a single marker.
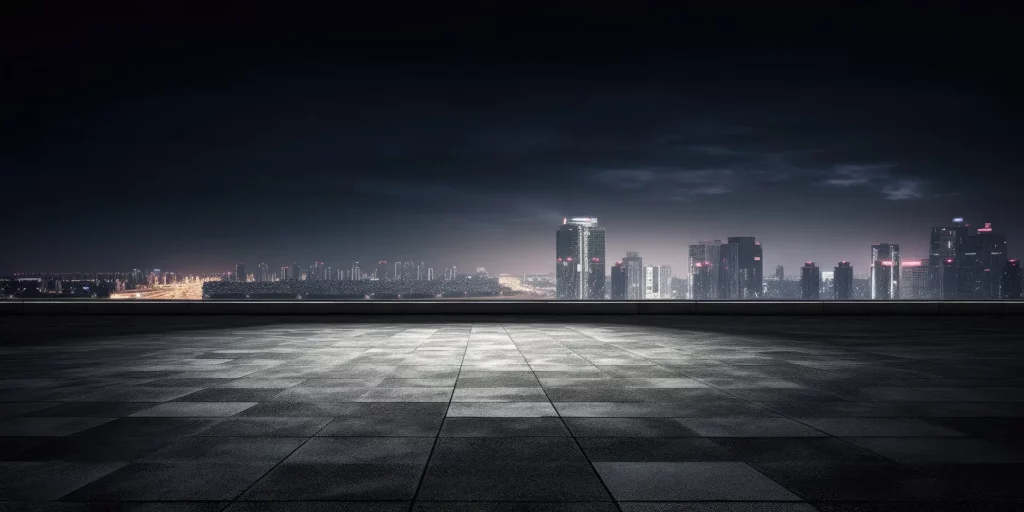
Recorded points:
(633, 265)
(992, 258)
(240, 274)
(285, 272)
(618, 281)
(1010, 284)
(296, 271)
(357, 274)
(885, 271)
(915, 279)
(665, 284)
(810, 281)
(946, 243)
(580, 259)
(706, 252)
(948, 279)
(382, 270)
(264, 275)
(652, 282)
(702, 280)
(430, 274)
(729, 272)
(843, 281)
(780, 274)
(750, 266)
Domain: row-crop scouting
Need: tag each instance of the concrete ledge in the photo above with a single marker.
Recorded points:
(759, 308)
(507, 307)
(867, 307)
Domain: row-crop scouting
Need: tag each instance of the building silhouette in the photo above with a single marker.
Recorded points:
(580, 259)
(885, 271)
(702, 280)
(240, 275)
(618, 281)
(1010, 282)
(750, 266)
(946, 243)
(780, 273)
(810, 281)
(915, 279)
(633, 265)
(843, 281)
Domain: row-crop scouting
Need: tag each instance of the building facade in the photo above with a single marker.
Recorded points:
(1010, 285)
(810, 281)
(618, 281)
(749, 266)
(580, 259)
(633, 266)
(915, 279)
(885, 271)
(843, 281)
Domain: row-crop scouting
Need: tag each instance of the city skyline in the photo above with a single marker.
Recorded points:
(462, 142)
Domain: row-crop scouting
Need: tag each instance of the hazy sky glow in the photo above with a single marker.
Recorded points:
(153, 140)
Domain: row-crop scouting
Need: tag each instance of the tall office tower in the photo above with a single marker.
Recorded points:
(430, 274)
(579, 256)
(780, 274)
(296, 271)
(317, 272)
(915, 282)
(810, 281)
(705, 252)
(284, 272)
(992, 259)
(1010, 286)
(618, 281)
(421, 272)
(357, 274)
(633, 265)
(408, 271)
(702, 280)
(240, 272)
(397, 275)
(750, 266)
(946, 243)
(885, 272)
(382, 270)
(652, 282)
(729, 272)
(665, 282)
(948, 280)
(264, 274)
(843, 281)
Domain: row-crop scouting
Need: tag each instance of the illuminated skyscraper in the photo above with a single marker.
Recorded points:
(915, 282)
(707, 254)
(665, 282)
(843, 281)
(948, 279)
(992, 259)
(240, 274)
(264, 275)
(652, 282)
(1010, 286)
(633, 265)
(702, 280)
(810, 281)
(946, 243)
(885, 272)
(618, 281)
(750, 266)
(729, 283)
(580, 259)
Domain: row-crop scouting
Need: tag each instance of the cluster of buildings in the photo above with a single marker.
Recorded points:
(379, 271)
(964, 263)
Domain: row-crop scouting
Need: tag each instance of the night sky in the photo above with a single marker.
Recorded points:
(193, 140)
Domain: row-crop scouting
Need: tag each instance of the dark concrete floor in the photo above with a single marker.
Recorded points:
(391, 413)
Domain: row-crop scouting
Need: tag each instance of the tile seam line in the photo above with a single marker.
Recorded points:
(559, 414)
(437, 434)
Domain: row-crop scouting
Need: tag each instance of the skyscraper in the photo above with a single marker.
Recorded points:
(885, 271)
(296, 272)
(382, 270)
(946, 243)
(240, 274)
(780, 274)
(810, 281)
(264, 274)
(618, 282)
(1010, 285)
(580, 259)
(702, 280)
(992, 256)
(665, 285)
(915, 282)
(843, 285)
(750, 266)
(634, 277)
(285, 272)
(653, 282)
(729, 272)
(706, 252)
(948, 279)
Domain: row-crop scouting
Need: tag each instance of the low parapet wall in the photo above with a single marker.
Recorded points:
(507, 307)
